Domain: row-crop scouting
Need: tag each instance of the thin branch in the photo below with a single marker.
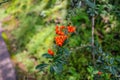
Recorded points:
(93, 29)
(79, 47)
(93, 54)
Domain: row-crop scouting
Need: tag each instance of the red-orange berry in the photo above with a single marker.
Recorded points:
(99, 73)
(60, 39)
(50, 52)
(62, 27)
(59, 30)
(71, 29)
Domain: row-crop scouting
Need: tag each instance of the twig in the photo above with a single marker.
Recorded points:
(79, 47)
(93, 29)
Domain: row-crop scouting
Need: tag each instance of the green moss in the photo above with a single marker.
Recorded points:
(5, 38)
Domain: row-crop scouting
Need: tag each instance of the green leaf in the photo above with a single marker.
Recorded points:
(111, 60)
(95, 72)
(51, 69)
(98, 61)
(46, 55)
(66, 52)
(60, 67)
(118, 58)
(90, 4)
(112, 70)
(57, 68)
(60, 50)
(60, 61)
(90, 69)
(41, 66)
(100, 50)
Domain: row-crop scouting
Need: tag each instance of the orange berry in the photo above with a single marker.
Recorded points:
(62, 27)
(50, 52)
(60, 39)
(59, 30)
(99, 73)
(71, 29)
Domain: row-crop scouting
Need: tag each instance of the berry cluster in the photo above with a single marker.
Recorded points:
(61, 36)
(60, 39)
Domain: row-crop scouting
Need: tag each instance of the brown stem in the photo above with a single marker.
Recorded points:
(93, 54)
(93, 46)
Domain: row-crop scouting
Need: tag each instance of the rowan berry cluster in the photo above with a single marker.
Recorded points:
(61, 36)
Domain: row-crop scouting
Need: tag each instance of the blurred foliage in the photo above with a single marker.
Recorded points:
(29, 25)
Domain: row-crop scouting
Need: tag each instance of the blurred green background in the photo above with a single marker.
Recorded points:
(29, 31)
